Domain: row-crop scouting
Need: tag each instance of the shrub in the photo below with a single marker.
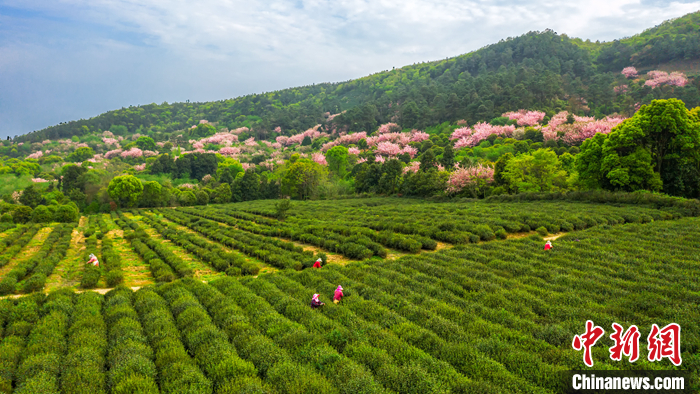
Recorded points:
(501, 234)
(542, 231)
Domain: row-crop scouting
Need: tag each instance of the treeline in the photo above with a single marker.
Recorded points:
(541, 70)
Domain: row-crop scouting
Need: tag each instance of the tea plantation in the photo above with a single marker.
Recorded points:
(451, 297)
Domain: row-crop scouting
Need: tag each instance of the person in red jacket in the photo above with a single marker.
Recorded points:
(338, 294)
(317, 264)
(315, 302)
(548, 245)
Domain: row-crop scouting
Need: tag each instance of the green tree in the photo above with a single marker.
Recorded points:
(221, 195)
(21, 214)
(282, 207)
(30, 197)
(302, 179)
(41, 215)
(146, 143)
(427, 160)
(152, 195)
(72, 177)
(80, 155)
(391, 176)
(658, 148)
(498, 169)
(250, 185)
(125, 190)
(337, 158)
(539, 171)
(306, 141)
(448, 157)
(66, 214)
(187, 198)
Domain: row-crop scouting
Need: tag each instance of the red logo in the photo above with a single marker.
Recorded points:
(587, 340)
(665, 343)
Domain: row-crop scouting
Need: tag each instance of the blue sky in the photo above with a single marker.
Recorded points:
(63, 60)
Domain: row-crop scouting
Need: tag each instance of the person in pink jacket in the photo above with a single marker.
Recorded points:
(548, 245)
(338, 294)
(315, 302)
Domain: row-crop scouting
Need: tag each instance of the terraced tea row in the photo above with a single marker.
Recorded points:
(492, 317)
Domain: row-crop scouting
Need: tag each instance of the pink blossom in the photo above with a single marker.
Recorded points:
(107, 134)
(330, 117)
(120, 138)
(246, 166)
(469, 177)
(388, 149)
(160, 144)
(562, 116)
(140, 167)
(149, 153)
(240, 130)
(353, 151)
(136, 136)
(276, 145)
(361, 160)
(413, 166)
(410, 150)
(198, 145)
(188, 186)
(481, 131)
(419, 136)
(379, 159)
(35, 155)
(319, 158)
(629, 72)
(659, 78)
(345, 140)
(17, 194)
(44, 142)
(312, 133)
(39, 180)
(525, 118)
(81, 145)
(251, 142)
(282, 140)
(441, 167)
(203, 121)
(621, 89)
(277, 130)
(462, 122)
(580, 131)
(193, 127)
(389, 128)
(113, 153)
(110, 141)
(220, 138)
(133, 153)
(20, 144)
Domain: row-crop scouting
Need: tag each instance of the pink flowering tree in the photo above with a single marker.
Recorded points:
(353, 151)
(413, 167)
(467, 137)
(659, 78)
(132, 153)
(388, 149)
(35, 155)
(419, 136)
(525, 118)
(630, 72)
(140, 167)
(388, 128)
(319, 158)
(471, 180)
(113, 153)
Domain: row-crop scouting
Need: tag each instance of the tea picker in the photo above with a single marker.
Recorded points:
(93, 260)
(548, 245)
(338, 294)
(315, 302)
(317, 264)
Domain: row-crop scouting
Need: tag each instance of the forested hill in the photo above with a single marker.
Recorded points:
(539, 70)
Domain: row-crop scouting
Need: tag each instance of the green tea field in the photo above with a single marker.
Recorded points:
(439, 297)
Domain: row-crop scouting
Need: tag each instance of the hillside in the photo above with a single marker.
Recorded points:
(539, 70)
